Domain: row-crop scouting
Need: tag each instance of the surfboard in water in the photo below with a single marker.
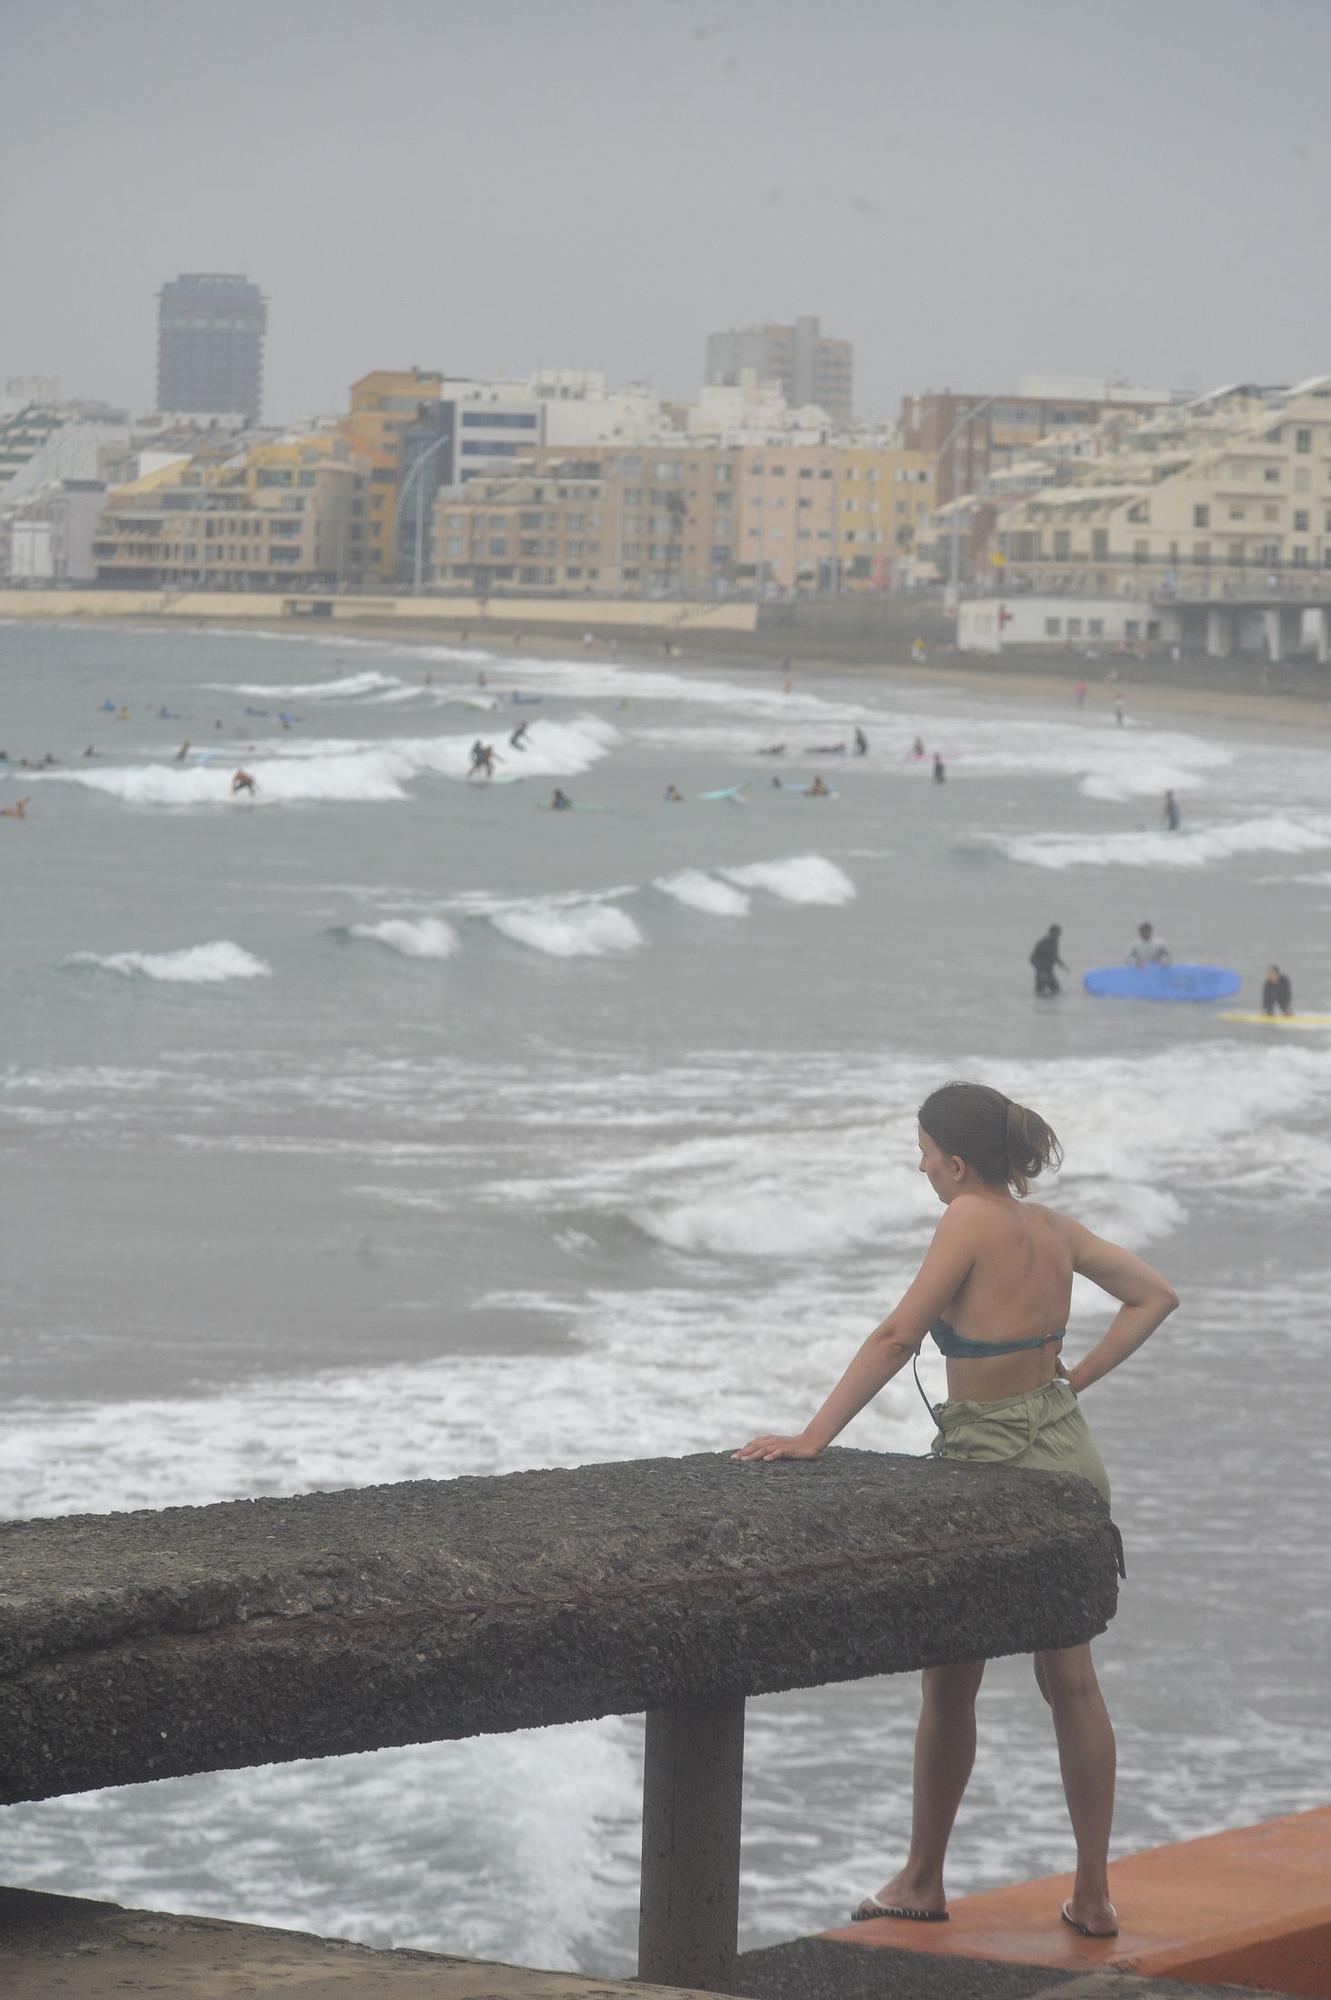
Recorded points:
(1279, 1020)
(1162, 982)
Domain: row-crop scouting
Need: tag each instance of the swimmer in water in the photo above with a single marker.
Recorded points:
(19, 809)
(673, 796)
(818, 790)
(772, 750)
(243, 782)
(560, 801)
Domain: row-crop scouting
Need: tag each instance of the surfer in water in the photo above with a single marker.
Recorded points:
(673, 796)
(243, 782)
(482, 759)
(861, 742)
(183, 752)
(818, 790)
(1148, 949)
(19, 809)
(1044, 957)
(560, 801)
(1277, 993)
(518, 740)
(994, 1292)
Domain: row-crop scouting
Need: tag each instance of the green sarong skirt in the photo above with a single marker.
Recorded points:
(1043, 1432)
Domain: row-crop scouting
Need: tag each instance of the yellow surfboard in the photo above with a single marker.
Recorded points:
(1281, 1020)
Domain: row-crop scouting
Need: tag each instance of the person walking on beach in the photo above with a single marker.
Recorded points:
(993, 1292)
(1044, 957)
(1079, 694)
(1171, 812)
(1277, 992)
(1118, 710)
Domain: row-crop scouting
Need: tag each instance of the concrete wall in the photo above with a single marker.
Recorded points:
(578, 613)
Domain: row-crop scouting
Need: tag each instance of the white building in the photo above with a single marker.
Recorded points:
(1094, 624)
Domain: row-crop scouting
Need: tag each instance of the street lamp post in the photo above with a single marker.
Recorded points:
(413, 479)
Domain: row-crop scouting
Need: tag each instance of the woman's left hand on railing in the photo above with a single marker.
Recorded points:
(778, 1447)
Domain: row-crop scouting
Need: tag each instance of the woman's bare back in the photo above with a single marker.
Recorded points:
(1019, 1286)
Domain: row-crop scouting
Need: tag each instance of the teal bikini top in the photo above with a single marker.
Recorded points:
(960, 1347)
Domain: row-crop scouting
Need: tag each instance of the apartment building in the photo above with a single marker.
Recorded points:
(552, 527)
(810, 365)
(974, 437)
(278, 515)
(829, 517)
(1229, 496)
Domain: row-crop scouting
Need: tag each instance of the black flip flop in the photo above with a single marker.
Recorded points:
(877, 1909)
(1082, 1930)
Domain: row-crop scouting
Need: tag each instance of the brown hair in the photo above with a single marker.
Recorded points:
(1003, 1141)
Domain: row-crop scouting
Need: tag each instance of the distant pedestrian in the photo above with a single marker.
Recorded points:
(1045, 958)
(861, 743)
(1171, 812)
(1079, 694)
(940, 770)
(1118, 710)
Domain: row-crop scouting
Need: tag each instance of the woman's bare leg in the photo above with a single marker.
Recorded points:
(1086, 1758)
(944, 1755)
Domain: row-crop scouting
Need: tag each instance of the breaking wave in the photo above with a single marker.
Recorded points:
(1274, 833)
(804, 878)
(701, 891)
(587, 930)
(423, 937)
(198, 965)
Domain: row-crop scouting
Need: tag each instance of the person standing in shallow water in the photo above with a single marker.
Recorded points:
(993, 1292)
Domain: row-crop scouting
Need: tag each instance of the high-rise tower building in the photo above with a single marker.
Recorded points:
(810, 366)
(210, 328)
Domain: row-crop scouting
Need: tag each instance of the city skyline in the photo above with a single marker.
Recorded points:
(965, 195)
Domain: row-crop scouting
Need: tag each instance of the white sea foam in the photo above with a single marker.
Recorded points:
(569, 930)
(803, 878)
(347, 687)
(293, 770)
(199, 965)
(701, 891)
(1192, 847)
(423, 937)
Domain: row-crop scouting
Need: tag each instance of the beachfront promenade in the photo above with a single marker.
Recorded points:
(151, 1645)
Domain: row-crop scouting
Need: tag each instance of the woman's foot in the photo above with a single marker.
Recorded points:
(907, 1895)
(1094, 1917)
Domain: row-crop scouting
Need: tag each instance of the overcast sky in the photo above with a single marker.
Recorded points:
(969, 190)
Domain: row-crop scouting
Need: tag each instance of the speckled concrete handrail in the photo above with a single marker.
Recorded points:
(137, 1646)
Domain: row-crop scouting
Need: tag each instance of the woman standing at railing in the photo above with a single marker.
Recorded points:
(994, 1291)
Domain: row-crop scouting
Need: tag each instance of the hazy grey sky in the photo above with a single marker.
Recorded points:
(968, 189)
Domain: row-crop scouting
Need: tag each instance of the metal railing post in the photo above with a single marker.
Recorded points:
(693, 1782)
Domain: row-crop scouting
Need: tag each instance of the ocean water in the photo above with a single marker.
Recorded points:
(388, 1125)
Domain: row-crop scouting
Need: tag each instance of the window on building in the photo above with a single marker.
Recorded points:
(1238, 513)
(1074, 628)
(1300, 523)
(826, 472)
(1201, 517)
(778, 471)
(1141, 512)
(806, 472)
(1131, 627)
(1271, 474)
(1153, 628)
(1096, 627)
(1300, 554)
(1303, 440)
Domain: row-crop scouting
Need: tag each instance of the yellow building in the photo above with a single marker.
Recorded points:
(383, 405)
(828, 517)
(275, 516)
(1218, 498)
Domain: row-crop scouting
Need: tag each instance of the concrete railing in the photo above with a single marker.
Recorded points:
(150, 1645)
